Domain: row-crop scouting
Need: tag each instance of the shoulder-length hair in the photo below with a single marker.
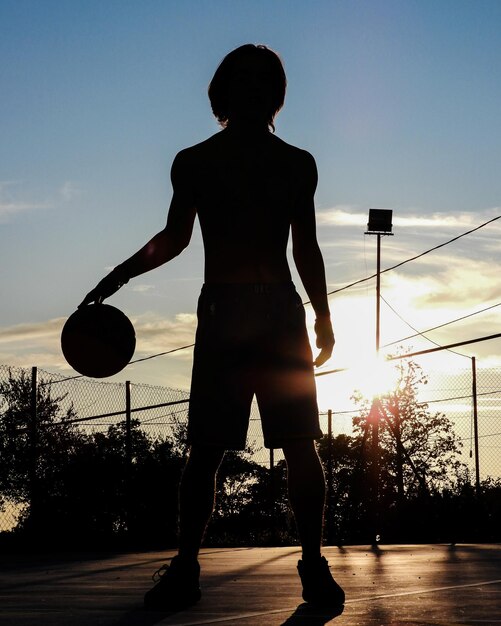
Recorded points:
(219, 85)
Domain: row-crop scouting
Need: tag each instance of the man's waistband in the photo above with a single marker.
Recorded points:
(248, 288)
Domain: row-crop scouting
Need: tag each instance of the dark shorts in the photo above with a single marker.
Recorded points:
(252, 340)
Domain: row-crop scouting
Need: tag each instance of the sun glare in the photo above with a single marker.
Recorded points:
(371, 376)
(374, 376)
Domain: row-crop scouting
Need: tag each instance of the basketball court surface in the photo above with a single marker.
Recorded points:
(417, 585)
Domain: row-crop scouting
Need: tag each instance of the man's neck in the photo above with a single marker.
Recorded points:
(247, 128)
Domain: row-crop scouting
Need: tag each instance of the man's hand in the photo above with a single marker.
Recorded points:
(105, 288)
(325, 340)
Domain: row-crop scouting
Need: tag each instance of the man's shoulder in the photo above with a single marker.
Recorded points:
(197, 154)
(301, 162)
(217, 144)
(300, 155)
(200, 148)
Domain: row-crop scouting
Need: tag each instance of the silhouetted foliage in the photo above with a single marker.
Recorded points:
(241, 500)
(56, 439)
(115, 499)
(89, 492)
(420, 447)
(418, 465)
(346, 501)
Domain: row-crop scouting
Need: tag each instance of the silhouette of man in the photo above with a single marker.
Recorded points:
(249, 189)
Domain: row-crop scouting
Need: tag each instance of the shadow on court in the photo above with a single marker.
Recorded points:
(393, 585)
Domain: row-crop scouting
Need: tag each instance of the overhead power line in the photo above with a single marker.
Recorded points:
(421, 403)
(153, 356)
(420, 334)
(146, 358)
(450, 345)
(330, 293)
(411, 354)
(429, 330)
(483, 393)
(414, 258)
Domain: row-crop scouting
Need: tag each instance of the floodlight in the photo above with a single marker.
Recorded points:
(379, 222)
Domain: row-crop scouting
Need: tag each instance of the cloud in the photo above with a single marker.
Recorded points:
(38, 343)
(346, 215)
(36, 332)
(341, 215)
(26, 345)
(156, 333)
(69, 190)
(461, 285)
(463, 273)
(41, 359)
(141, 288)
(431, 300)
(11, 205)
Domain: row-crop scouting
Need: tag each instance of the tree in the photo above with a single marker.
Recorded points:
(347, 492)
(78, 489)
(28, 463)
(113, 499)
(242, 507)
(419, 449)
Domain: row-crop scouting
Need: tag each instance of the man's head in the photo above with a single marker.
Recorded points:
(249, 84)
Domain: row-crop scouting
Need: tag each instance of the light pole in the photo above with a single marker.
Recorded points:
(379, 224)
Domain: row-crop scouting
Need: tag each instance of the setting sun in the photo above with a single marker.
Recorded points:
(374, 376)
(371, 376)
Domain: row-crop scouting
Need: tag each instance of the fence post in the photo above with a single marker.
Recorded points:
(33, 447)
(330, 494)
(273, 529)
(475, 422)
(374, 416)
(128, 455)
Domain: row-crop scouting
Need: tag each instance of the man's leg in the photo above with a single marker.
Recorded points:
(196, 497)
(179, 586)
(306, 484)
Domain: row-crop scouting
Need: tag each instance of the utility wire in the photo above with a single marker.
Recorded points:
(484, 393)
(417, 256)
(428, 330)
(387, 345)
(147, 358)
(361, 280)
(330, 293)
(482, 437)
(55, 382)
(417, 331)
(421, 403)
(450, 345)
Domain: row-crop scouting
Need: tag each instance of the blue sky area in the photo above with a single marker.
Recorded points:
(398, 101)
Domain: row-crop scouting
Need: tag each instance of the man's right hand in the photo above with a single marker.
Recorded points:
(105, 288)
(325, 340)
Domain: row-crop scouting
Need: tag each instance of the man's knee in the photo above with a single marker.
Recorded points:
(205, 458)
(300, 450)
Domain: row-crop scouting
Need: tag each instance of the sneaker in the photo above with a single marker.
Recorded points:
(318, 585)
(177, 587)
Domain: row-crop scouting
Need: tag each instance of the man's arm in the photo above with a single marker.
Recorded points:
(308, 258)
(165, 245)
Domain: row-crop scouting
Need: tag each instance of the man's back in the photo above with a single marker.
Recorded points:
(247, 190)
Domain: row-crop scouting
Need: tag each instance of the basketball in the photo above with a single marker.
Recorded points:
(98, 340)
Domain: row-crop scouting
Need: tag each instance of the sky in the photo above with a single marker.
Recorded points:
(397, 100)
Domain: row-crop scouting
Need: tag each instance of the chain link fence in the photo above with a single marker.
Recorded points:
(42, 412)
(452, 393)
